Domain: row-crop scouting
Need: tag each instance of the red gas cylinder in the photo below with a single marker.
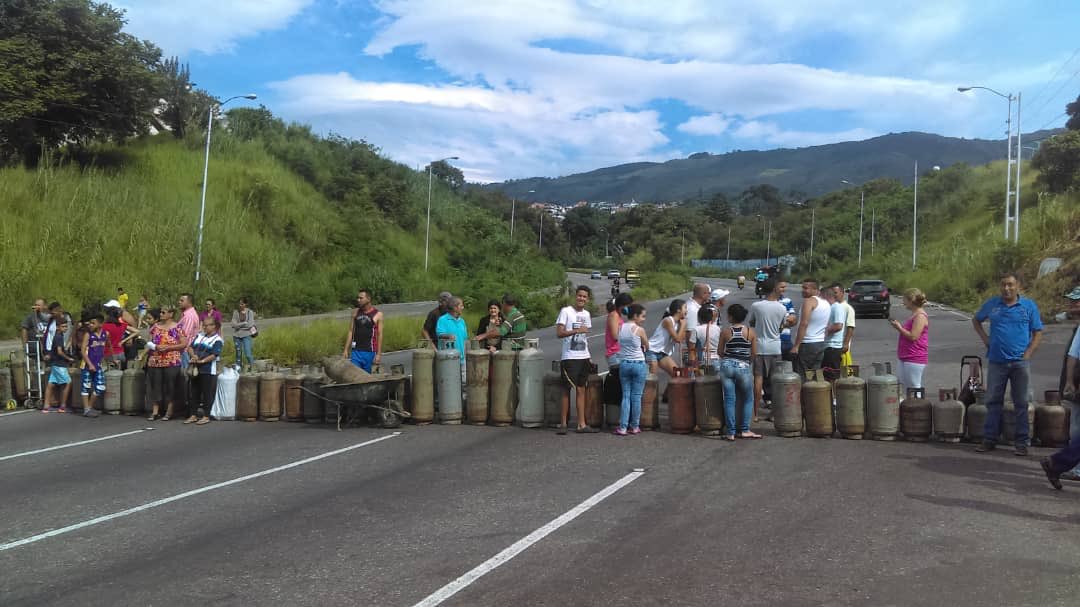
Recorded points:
(680, 391)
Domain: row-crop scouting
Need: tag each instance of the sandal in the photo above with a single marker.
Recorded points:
(729, 437)
(560, 429)
(191, 420)
(750, 436)
(203, 421)
(153, 417)
(586, 430)
(164, 418)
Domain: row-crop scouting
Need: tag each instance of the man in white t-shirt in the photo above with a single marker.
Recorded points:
(849, 326)
(572, 327)
(768, 317)
(834, 337)
(698, 296)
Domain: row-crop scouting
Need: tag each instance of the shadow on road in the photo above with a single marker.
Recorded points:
(990, 470)
(995, 508)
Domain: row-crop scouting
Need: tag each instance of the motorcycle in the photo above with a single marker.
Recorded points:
(742, 282)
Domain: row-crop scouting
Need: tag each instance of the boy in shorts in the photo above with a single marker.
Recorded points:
(573, 327)
(59, 378)
(93, 355)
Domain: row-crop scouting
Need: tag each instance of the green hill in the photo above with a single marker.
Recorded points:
(803, 172)
(295, 222)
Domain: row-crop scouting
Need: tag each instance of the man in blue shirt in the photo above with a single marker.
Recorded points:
(1058, 465)
(1015, 332)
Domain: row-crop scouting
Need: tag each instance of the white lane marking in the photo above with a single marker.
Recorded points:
(66, 445)
(186, 494)
(521, 545)
(17, 412)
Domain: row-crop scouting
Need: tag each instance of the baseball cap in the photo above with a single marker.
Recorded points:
(445, 296)
(719, 294)
(112, 303)
(1074, 294)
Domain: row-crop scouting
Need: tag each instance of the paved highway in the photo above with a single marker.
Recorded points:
(262, 513)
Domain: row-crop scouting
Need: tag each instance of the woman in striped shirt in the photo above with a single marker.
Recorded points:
(738, 346)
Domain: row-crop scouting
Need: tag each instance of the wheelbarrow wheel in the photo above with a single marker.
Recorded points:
(390, 419)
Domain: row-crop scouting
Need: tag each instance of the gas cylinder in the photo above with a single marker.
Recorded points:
(594, 404)
(975, 417)
(5, 386)
(948, 416)
(311, 403)
(477, 374)
(423, 383)
(294, 397)
(17, 365)
(680, 392)
(132, 391)
(817, 405)
(75, 402)
(224, 408)
(271, 388)
(650, 403)
(247, 397)
(708, 402)
(851, 404)
(113, 379)
(343, 371)
(448, 381)
(553, 391)
(883, 403)
(612, 397)
(787, 400)
(916, 416)
(531, 363)
(1008, 419)
(1052, 421)
(503, 392)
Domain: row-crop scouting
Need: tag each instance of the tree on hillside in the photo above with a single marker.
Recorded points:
(179, 111)
(448, 173)
(1058, 162)
(581, 225)
(761, 199)
(70, 75)
(1073, 110)
(719, 208)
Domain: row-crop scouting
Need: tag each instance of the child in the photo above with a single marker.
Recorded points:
(143, 306)
(93, 355)
(59, 379)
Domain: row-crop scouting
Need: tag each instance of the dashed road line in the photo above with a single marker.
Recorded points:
(68, 445)
(173, 498)
(521, 545)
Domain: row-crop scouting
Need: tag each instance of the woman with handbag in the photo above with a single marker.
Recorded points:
(167, 342)
(244, 330)
(204, 353)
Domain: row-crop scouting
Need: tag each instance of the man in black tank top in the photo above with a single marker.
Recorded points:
(363, 346)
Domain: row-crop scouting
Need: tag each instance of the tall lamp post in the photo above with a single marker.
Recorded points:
(427, 233)
(205, 172)
(513, 207)
(1012, 197)
(607, 238)
(862, 207)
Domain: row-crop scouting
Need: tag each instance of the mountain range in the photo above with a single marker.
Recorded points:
(799, 173)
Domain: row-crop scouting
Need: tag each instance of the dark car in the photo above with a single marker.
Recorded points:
(869, 298)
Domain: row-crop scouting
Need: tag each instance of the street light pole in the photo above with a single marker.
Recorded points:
(728, 258)
(768, 246)
(862, 205)
(1010, 195)
(812, 212)
(541, 244)
(206, 171)
(915, 220)
(873, 221)
(427, 232)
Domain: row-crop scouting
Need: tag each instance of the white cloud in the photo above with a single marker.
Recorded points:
(709, 124)
(771, 133)
(206, 26)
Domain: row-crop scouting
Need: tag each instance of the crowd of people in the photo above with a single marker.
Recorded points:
(181, 354)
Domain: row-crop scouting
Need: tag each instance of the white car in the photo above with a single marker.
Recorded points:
(613, 274)
(596, 275)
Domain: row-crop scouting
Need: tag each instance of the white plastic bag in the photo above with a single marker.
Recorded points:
(225, 402)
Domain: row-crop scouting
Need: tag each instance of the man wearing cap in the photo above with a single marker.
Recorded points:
(698, 296)
(1015, 333)
(428, 331)
(1065, 464)
(716, 298)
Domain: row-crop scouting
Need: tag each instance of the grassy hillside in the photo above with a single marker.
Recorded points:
(128, 218)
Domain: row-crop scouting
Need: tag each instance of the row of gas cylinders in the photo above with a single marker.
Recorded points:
(873, 408)
(507, 387)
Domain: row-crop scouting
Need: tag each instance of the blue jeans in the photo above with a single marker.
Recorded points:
(1017, 373)
(738, 377)
(632, 378)
(1069, 457)
(243, 347)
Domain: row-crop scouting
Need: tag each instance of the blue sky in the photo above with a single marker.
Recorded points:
(519, 89)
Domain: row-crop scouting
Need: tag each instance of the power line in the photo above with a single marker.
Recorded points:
(1055, 119)
(1060, 88)
(1051, 79)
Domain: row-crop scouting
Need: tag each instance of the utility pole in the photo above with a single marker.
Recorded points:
(1019, 158)
(862, 205)
(915, 220)
(873, 221)
(768, 246)
(728, 258)
(812, 211)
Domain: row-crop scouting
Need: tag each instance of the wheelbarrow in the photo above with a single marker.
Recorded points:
(381, 395)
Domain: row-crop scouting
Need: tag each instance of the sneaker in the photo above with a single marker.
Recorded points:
(985, 446)
(62, 410)
(619, 432)
(1051, 476)
(635, 430)
(91, 413)
(1020, 450)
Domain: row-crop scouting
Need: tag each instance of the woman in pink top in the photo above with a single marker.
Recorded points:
(616, 313)
(913, 343)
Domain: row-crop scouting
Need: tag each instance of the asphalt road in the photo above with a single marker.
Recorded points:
(263, 513)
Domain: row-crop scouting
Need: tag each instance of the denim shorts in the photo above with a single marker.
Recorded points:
(655, 357)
